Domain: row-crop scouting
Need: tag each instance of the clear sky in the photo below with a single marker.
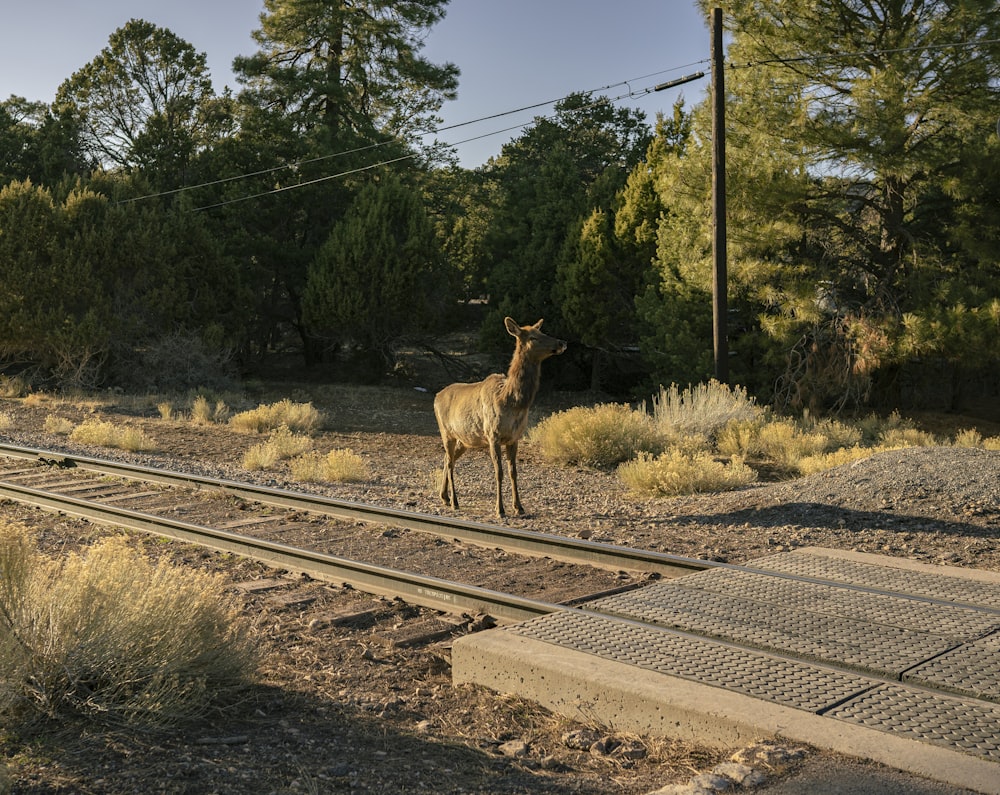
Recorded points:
(512, 53)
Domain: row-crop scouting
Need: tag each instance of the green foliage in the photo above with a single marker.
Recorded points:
(844, 182)
(380, 275)
(109, 635)
(139, 101)
(549, 180)
(349, 66)
(90, 286)
(863, 208)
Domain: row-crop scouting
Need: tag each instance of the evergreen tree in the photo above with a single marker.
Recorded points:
(335, 87)
(380, 276)
(139, 103)
(850, 128)
(549, 180)
(349, 70)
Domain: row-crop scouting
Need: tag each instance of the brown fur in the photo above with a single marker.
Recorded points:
(493, 413)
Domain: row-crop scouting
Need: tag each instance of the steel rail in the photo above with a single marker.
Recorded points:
(564, 548)
(432, 592)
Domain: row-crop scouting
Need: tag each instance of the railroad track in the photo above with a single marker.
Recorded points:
(246, 519)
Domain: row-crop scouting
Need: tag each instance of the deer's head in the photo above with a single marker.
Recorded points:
(536, 344)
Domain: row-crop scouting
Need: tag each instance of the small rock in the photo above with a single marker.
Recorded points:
(742, 775)
(581, 739)
(768, 755)
(631, 749)
(604, 746)
(424, 726)
(710, 782)
(514, 749)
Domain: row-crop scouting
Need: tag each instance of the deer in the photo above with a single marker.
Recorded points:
(493, 413)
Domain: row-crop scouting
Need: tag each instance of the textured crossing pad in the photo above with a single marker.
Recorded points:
(906, 650)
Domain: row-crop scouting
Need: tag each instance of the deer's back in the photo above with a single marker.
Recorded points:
(477, 413)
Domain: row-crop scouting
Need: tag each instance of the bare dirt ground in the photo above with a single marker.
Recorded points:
(356, 695)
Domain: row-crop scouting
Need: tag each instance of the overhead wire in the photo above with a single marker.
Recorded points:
(437, 130)
(631, 93)
(412, 155)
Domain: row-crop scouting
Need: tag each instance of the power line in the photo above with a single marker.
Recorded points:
(630, 94)
(357, 170)
(377, 145)
(379, 164)
(260, 173)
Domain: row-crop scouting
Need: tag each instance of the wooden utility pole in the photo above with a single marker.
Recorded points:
(720, 304)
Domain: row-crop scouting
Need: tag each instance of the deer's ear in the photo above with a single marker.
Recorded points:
(512, 328)
(538, 325)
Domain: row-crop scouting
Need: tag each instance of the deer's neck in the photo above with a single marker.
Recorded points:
(523, 379)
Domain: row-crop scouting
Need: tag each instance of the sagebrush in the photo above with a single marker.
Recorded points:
(111, 635)
(337, 466)
(302, 417)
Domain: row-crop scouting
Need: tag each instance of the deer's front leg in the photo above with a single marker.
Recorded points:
(512, 468)
(498, 473)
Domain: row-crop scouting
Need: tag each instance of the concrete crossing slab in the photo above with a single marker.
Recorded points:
(871, 656)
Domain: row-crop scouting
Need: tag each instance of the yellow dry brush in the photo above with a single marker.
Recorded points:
(111, 634)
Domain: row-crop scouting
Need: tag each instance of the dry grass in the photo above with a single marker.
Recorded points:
(600, 436)
(302, 417)
(337, 466)
(690, 429)
(702, 409)
(203, 412)
(111, 635)
(107, 434)
(280, 445)
(60, 426)
(678, 472)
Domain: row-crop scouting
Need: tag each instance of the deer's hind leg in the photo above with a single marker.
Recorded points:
(512, 470)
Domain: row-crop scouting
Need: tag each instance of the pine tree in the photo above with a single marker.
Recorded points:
(380, 275)
(139, 102)
(850, 130)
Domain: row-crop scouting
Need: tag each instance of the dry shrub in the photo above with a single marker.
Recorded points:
(107, 434)
(738, 437)
(785, 443)
(204, 413)
(302, 417)
(992, 443)
(702, 409)
(677, 472)
(281, 444)
(13, 386)
(58, 425)
(6, 420)
(907, 437)
(166, 410)
(601, 436)
(111, 635)
(811, 464)
(969, 437)
(337, 466)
